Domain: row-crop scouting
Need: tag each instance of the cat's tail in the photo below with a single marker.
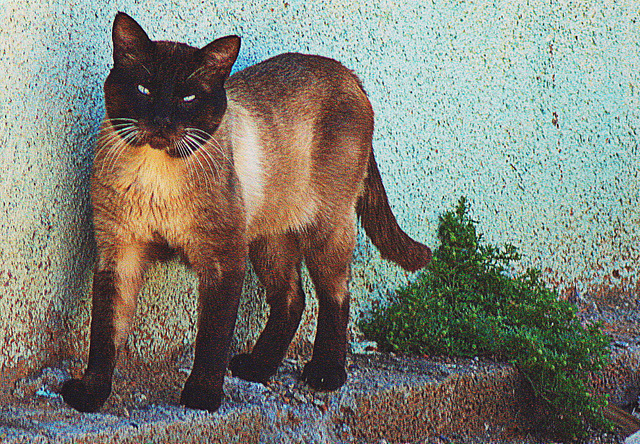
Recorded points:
(381, 226)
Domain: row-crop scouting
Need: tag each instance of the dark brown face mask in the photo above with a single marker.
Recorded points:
(163, 91)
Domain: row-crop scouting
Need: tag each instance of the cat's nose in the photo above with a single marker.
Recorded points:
(163, 121)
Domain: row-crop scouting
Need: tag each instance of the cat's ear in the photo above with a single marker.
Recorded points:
(220, 55)
(129, 39)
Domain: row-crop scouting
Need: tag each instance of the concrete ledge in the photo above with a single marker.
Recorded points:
(386, 398)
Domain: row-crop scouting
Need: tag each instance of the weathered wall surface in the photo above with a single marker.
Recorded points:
(529, 108)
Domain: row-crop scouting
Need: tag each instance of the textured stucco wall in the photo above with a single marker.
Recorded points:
(529, 108)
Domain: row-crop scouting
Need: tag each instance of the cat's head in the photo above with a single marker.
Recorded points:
(168, 95)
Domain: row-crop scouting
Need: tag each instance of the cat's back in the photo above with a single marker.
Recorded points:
(288, 75)
(300, 93)
(301, 129)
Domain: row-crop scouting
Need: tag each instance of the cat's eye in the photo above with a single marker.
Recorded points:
(143, 90)
(190, 98)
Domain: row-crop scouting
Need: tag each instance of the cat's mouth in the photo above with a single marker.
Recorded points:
(160, 142)
(174, 146)
(176, 143)
(171, 143)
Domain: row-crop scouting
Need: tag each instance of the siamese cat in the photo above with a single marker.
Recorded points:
(273, 163)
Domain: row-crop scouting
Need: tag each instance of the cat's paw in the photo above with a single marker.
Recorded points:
(244, 366)
(201, 397)
(325, 377)
(85, 395)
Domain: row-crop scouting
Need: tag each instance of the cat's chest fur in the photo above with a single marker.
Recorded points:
(154, 196)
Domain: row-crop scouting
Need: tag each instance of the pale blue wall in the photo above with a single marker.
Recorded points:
(529, 108)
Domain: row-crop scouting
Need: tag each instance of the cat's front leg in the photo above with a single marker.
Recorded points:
(115, 289)
(220, 288)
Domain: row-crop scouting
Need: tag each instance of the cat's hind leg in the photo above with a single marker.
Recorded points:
(276, 259)
(328, 258)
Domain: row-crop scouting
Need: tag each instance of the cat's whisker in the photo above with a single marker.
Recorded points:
(184, 152)
(191, 155)
(199, 172)
(215, 144)
(214, 165)
(126, 138)
(116, 131)
(119, 119)
(117, 124)
(107, 143)
(120, 126)
(202, 135)
(113, 152)
(196, 151)
(109, 149)
(107, 138)
(209, 157)
(207, 139)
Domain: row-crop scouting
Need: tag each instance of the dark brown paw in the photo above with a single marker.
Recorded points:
(201, 397)
(84, 396)
(244, 366)
(325, 377)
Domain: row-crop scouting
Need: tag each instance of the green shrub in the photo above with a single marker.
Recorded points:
(466, 304)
